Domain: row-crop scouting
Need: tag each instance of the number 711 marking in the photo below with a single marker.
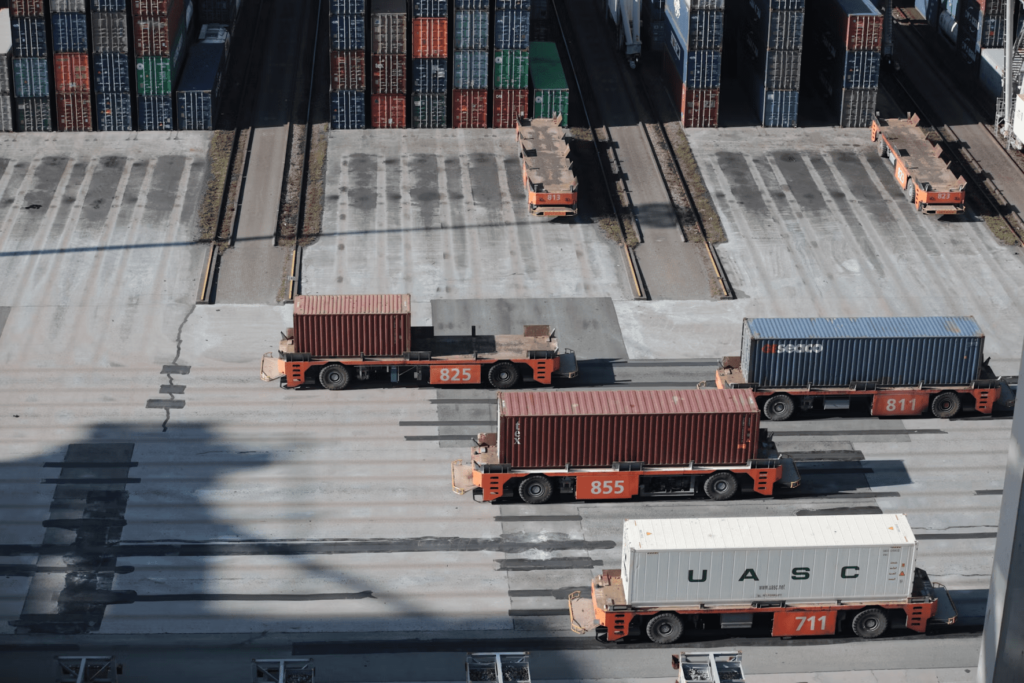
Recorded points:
(811, 621)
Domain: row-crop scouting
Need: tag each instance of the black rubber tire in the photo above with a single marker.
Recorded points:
(334, 377)
(909, 190)
(946, 404)
(870, 623)
(883, 151)
(665, 628)
(779, 408)
(536, 489)
(721, 486)
(503, 375)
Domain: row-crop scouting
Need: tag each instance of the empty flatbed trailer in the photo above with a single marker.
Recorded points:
(918, 165)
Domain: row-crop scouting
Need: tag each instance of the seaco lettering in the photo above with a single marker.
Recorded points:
(792, 348)
(797, 574)
(517, 435)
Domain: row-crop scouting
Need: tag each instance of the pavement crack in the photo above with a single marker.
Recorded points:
(174, 363)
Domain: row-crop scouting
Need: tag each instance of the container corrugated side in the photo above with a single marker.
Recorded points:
(547, 104)
(162, 36)
(430, 75)
(198, 93)
(472, 30)
(780, 5)
(699, 69)
(429, 38)
(471, 4)
(778, 108)
(698, 108)
(71, 73)
(70, 32)
(501, 5)
(346, 326)
(110, 32)
(697, 29)
(74, 112)
(141, 8)
(6, 113)
(836, 352)
(27, 8)
(28, 37)
(546, 71)
(512, 30)
(113, 111)
(782, 31)
(511, 69)
(388, 74)
(109, 5)
(217, 11)
(781, 70)
(599, 428)
(469, 108)
(434, 9)
(155, 112)
(348, 32)
(855, 25)
(861, 69)
(6, 54)
(744, 560)
(507, 106)
(32, 114)
(858, 107)
(348, 70)
(67, 6)
(429, 110)
(469, 70)
(31, 77)
(348, 110)
(388, 34)
(335, 7)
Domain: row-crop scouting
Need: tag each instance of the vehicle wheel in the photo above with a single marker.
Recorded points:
(779, 407)
(536, 489)
(503, 375)
(946, 404)
(665, 628)
(882, 149)
(870, 623)
(721, 486)
(909, 190)
(334, 377)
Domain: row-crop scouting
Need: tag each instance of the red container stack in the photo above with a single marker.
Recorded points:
(509, 105)
(469, 108)
(73, 86)
(389, 21)
(349, 326)
(74, 111)
(600, 428)
(348, 70)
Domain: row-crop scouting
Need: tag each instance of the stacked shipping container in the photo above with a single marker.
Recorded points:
(348, 64)
(429, 64)
(510, 94)
(389, 60)
(771, 54)
(848, 55)
(198, 94)
(161, 29)
(6, 101)
(71, 75)
(218, 12)
(471, 31)
(549, 90)
(30, 66)
(692, 60)
(111, 64)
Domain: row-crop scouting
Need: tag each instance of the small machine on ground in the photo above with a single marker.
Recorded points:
(709, 667)
(499, 667)
(918, 165)
(548, 178)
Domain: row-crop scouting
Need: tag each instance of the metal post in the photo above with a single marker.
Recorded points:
(1002, 646)
(1009, 97)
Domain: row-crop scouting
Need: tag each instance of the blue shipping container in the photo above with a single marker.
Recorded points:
(347, 7)
(472, 29)
(112, 72)
(156, 112)
(348, 32)
(70, 32)
(217, 11)
(472, 4)
(700, 69)
(502, 5)
(780, 5)
(31, 77)
(862, 69)
(198, 93)
(28, 37)
(704, 4)
(113, 111)
(699, 29)
(430, 9)
(780, 30)
(108, 6)
(348, 109)
(469, 70)
(429, 75)
(512, 30)
(836, 352)
(777, 108)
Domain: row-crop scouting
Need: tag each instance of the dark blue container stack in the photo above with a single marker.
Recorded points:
(30, 67)
(348, 63)
(218, 11)
(197, 98)
(847, 35)
(773, 50)
(991, 24)
(692, 61)
(112, 64)
(471, 63)
(6, 94)
(654, 26)
(429, 74)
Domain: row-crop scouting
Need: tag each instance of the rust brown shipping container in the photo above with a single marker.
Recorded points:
(153, 8)
(74, 112)
(855, 31)
(389, 74)
(388, 111)
(509, 105)
(71, 72)
(598, 428)
(348, 70)
(27, 8)
(700, 107)
(469, 108)
(353, 325)
(155, 35)
(429, 38)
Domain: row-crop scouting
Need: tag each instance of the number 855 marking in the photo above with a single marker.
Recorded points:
(607, 488)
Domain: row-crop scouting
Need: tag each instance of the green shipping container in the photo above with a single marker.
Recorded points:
(511, 69)
(547, 80)
(156, 76)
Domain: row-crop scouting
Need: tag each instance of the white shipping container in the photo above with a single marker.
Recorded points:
(1018, 118)
(738, 561)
